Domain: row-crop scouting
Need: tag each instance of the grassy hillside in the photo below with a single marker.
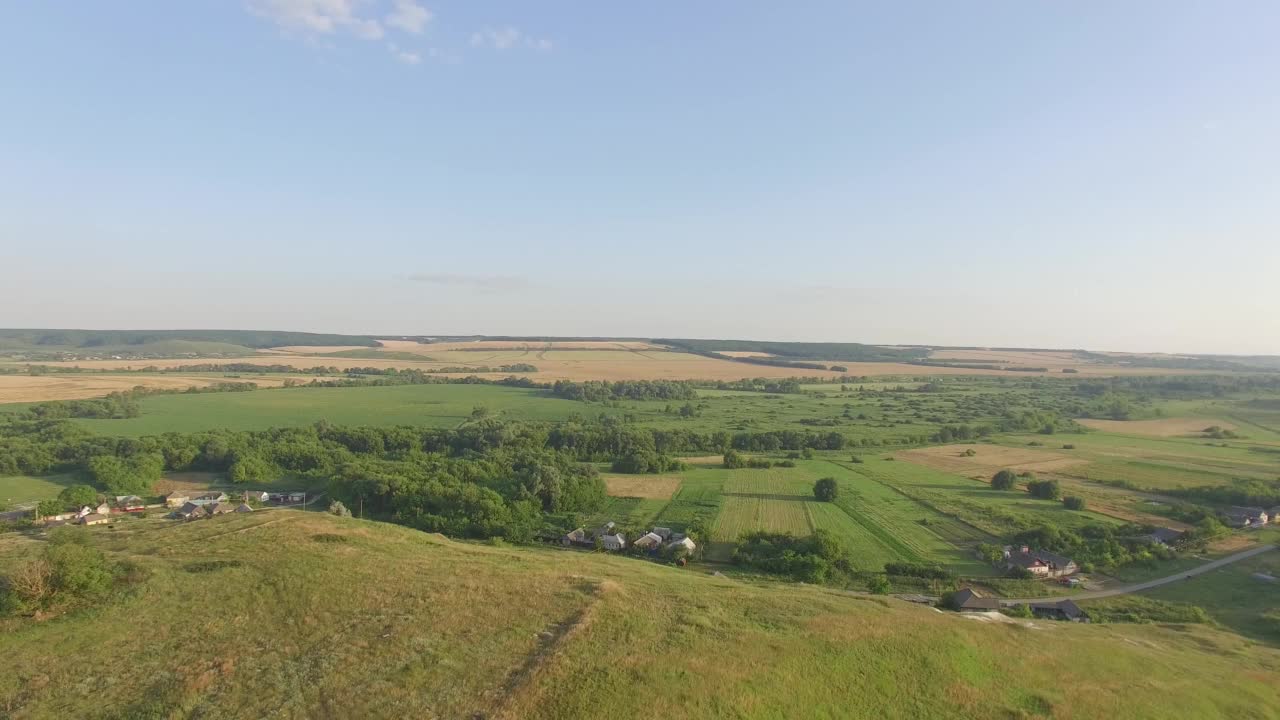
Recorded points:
(424, 627)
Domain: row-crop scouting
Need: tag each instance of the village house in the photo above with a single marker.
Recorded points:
(1246, 517)
(968, 600)
(1039, 563)
(103, 509)
(648, 541)
(95, 519)
(577, 537)
(176, 499)
(130, 503)
(243, 508)
(684, 542)
(663, 533)
(188, 511)
(218, 508)
(613, 542)
(208, 498)
(259, 495)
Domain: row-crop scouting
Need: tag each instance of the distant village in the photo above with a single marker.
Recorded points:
(182, 506)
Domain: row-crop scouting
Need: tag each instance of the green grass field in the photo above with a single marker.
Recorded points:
(425, 627)
(425, 405)
(1234, 597)
(24, 489)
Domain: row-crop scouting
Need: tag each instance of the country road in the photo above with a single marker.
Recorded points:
(1139, 587)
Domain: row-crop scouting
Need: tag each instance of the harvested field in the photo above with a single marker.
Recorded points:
(642, 486)
(317, 349)
(1165, 427)
(988, 459)
(38, 388)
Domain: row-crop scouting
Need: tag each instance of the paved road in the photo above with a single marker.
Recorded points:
(1138, 587)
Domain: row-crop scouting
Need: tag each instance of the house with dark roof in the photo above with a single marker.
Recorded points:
(1040, 563)
(130, 503)
(968, 600)
(1163, 536)
(189, 511)
(1061, 610)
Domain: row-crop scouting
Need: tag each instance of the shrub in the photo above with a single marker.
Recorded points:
(928, 572)
(1068, 446)
(759, 463)
(1004, 480)
(825, 489)
(970, 452)
(1072, 502)
(337, 508)
(1044, 489)
(856, 459)
(879, 585)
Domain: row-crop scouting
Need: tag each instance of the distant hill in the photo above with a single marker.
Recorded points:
(290, 614)
(41, 343)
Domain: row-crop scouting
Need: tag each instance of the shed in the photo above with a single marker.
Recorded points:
(968, 600)
(95, 519)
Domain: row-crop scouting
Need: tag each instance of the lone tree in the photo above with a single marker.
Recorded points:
(825, 489)
(1004, 480)
(1071, 502)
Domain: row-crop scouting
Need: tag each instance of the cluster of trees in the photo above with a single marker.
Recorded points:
(603, 390)
(1095, 546)
(1240, 491)
(734, 460)
(1045, 490)
(916, 570)
(643, 460)
(816, 558)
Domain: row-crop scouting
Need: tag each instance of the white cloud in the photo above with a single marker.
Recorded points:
(319, 17)
(408, 16)
(508, 38)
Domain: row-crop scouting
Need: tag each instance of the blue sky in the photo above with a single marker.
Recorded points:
(1085, 174)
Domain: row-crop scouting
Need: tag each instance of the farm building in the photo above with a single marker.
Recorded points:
(219, 508)
(243, 508)
(103, 509)
(1062, 610)
(95, 519)
(1040, 563)
(86, 510)
(259, 495)
(664, 533)
(176, 499)
(648, 541)
(605, 529)
(968, 600)
(577, 537)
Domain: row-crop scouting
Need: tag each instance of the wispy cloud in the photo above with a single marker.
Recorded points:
(509, 38)
(482, 282)
(408, 57)
(319, 17)
(408, 16)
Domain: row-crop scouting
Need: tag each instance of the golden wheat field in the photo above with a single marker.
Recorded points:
(1164, 427)
(36, 388)
(642, 486)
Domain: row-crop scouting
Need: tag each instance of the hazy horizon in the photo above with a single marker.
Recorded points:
(1084, 176)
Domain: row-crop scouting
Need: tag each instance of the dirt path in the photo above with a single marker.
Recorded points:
(1139, 587)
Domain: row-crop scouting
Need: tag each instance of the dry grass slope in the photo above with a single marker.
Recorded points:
(424, 627)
